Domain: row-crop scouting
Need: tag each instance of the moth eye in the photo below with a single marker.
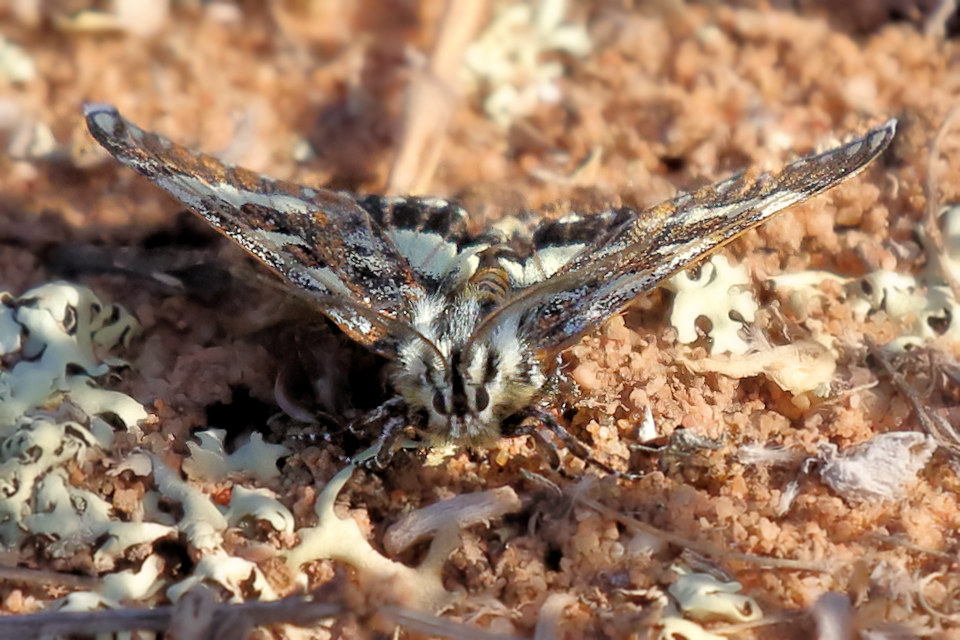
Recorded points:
(439, 405)
(490, 368)
(482, 398)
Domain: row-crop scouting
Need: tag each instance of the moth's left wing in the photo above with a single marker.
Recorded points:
(648, 247)
(323, 242)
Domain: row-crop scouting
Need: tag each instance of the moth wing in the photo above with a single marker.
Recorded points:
(430, 233)
(653, 245)
(322, 241)
(558, 242)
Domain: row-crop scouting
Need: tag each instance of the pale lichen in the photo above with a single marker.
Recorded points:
(202, 523)
(241, 578)
(698, 598)
(507, 60)
(115, 589)
(799, 367)
(37, 445)
(51, 333)
(923, 307)
(704, 598)
(258, 504)
(209, 460)
(335, 538)
(720, 293)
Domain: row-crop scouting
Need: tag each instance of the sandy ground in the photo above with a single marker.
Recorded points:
(666, 96)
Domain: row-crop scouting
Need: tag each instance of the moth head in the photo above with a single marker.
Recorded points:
(467, 390)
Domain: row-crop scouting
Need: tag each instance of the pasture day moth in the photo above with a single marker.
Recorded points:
(472, 324)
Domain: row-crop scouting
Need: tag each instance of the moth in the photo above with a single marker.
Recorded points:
(472, 324)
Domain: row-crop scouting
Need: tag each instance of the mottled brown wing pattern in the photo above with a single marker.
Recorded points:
(322, 241)
(652, 245)
(368, 260)
(721, 211)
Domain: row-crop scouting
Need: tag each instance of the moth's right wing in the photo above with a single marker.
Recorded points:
(323, 242)
(647, 247)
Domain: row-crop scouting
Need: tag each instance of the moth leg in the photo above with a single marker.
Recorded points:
(549, 421)
(386, 444)
(321, 429)
(392, 408)
(515, 426)
(391, 418)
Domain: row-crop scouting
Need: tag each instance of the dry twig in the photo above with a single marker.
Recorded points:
(931, 423)
(22, 575)
(198, 615)
(430, 100)
(298, 610)
(703, 547)
(936, 24)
